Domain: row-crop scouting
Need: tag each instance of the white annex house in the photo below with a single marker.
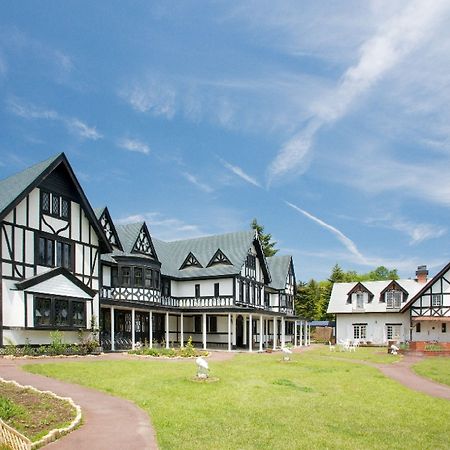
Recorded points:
(375, 311)
(65, 266)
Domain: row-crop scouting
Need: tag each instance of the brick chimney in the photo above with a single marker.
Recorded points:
(421, 274)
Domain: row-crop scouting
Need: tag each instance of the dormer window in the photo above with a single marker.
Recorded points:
(359, 295)
(393, 299)
(360, 300)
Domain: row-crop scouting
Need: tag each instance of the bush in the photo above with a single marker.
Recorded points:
(188, 351)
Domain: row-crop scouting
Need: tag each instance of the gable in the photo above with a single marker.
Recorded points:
(393, 286)
(359, 287)
(109, 229)
(219, 258)
(144, 243)
(190, 261)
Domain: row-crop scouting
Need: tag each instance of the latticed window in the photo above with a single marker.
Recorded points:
(45, 202)
(148, 278)
(360, 331)
(62, 313)
(251, 261)
(65, 208)
(436, 300)
(42, 312)
(46, 252)
(138, 276)
(78, 314)
(126, 276)
(64, 255)
(393, 299)
(393, 331)
(55, 205)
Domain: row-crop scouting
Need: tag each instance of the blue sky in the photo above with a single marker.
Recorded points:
(327, 121)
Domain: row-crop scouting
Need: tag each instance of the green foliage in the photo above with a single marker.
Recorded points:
(9, 409)
(435, 367)
(188, 351)
(57, 345)
(312, 298)
(266, 239)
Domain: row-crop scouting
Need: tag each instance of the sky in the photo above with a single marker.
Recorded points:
(329, 122)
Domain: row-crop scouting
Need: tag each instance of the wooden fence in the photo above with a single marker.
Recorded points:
(12, 438)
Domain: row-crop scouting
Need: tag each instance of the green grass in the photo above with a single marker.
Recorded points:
(260, 402)
(370, 354)
(435, 367)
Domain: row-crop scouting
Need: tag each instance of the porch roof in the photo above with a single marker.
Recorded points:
(431, 319)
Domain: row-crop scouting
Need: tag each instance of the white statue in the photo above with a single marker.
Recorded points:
(287, 352)
(202, 367)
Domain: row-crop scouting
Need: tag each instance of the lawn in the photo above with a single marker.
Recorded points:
(260, 402)
(370, 354)
(32, 413)
(437, 368)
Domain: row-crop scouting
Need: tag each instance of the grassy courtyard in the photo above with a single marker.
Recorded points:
(437, 368)
(259, 402)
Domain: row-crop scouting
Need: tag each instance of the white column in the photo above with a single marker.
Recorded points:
(234, 330)
(133, 328)
(204, 331)
(261, 331)
(150, 328)
(181, 330)
(295, 333)
(250, 333)
(309, 334)
(229, 332)
(244, 340)
(167, 330)
(300, 335)
(113, 347)
(283, 333)
(275, 332)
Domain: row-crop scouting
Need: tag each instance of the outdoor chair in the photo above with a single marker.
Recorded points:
(331, 346)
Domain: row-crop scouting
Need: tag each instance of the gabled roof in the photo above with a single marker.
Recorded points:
(128, 236)
(218, 258)
(360, 287)
(15, 188)
(393, 286)
(426, 286)
(234, 245)
(339, 295)
(62, 287)
(279, 270)
(103, 214)
(190, 261)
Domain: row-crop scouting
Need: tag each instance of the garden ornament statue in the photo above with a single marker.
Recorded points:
(394, 349)
(287, 352)
(202, 368)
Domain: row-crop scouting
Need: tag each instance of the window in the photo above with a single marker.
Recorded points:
(211, 324)
(360, 300)
(59, 313)
(148, 278)
(197, 324)
(393, 299)
(266, 299)
(46, 252)
(197, 290)
(65, 208)
(55, 205)
(216, 289)
(138, 277)
(156, 279)
(45, 202)
(444, 327)
(360, 331)
(251, 261)
(114, 276)
(418, 327)
(436, 300)
(64, 255)
(241, 291)
(393, 332)
(126, 276)
(166, 287)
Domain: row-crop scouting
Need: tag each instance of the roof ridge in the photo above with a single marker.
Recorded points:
(207, 236)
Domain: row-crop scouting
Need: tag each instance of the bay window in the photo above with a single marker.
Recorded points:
(54, 312)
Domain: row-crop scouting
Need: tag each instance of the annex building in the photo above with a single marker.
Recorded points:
(66, 266)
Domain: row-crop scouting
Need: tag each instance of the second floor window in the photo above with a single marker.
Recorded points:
(53, 253)
(55, 205)
(126, 276)
(360, 300)
(216, 289)
(436, 300)
(393, 299)
(197, 290)
(138, 277)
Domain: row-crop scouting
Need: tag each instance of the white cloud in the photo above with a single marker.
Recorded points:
(32, 112)
(394, 39)
(196, 182)
(240, 173)
(134, 145)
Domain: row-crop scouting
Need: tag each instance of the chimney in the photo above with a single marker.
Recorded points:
(421, 274)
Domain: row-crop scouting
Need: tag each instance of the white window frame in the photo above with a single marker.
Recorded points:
(393, 332)
(360, 300)
(360, 331)
(436, 299)
(393, 299)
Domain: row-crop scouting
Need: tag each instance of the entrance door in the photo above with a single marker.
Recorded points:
(141, 327)
(239, 331)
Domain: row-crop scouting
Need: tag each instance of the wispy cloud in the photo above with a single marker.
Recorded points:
(163, 227)
(240, 173)
(134, 145)
(394, 39)
(196, 182)
(29, 111)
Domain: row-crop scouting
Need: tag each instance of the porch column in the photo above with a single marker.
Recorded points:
(300, 334)
(244, 340)
(275, 332)
(261, 330)
(150, 328)
(234, 331)
(250, 333)
(133, 328)
(113, 346)
(283, 332)
(306, 333)
(229, 332)
(204, 331)
(309, 334)
(181, 330)
(295, 333)
(167, 330)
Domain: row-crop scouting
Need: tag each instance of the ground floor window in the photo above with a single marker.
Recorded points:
(59, 313)
(360, 331)
(444, 327)
(211, 324)
(393, 331)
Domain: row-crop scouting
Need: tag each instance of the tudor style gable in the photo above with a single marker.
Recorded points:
(219, 258)
(359, 295)
(144, 243)
(109, 229)
(190, 261)
(393, 295)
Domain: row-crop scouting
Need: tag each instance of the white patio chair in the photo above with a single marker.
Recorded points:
(331, 346)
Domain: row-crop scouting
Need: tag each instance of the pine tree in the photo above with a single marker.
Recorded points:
(265, 239)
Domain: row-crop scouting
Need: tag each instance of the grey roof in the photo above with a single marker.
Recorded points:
(98, 212)
(235, 246)
(279, 269)
(13, 186)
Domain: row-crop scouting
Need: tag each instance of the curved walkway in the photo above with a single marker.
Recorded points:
(109, 423)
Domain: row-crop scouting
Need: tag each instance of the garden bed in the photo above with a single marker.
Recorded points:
(189, 351)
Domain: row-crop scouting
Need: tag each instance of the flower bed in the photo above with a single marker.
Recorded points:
(189, 351)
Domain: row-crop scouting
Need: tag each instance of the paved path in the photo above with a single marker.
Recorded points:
(109, 423)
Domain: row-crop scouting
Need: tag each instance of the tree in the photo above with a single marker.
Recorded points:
(265, 238)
